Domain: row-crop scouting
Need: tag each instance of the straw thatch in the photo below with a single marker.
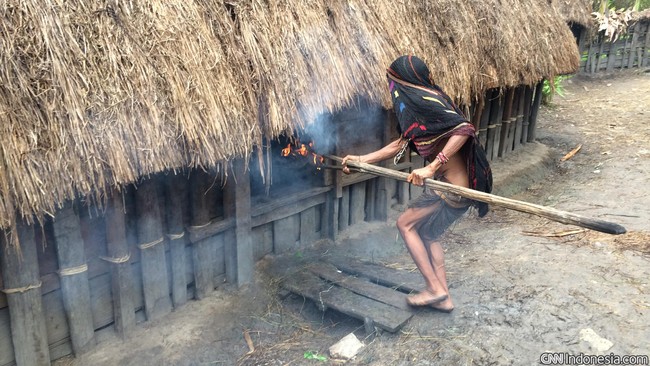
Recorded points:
(575, 11)
(98, 94)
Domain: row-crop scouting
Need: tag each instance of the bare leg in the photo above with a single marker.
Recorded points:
(437, 256)
(407, 224)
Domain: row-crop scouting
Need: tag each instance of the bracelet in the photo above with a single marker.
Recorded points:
(442, 158)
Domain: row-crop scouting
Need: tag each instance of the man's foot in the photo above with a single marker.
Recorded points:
(424, 298)
(441, 306)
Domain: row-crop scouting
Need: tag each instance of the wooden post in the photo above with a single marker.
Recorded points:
(175, 194)
(528, 100)
(382, 196)
(519, 124)
(633, 46)
(600, 53)
(611, 58)
(155, 281)
(505, 122)
(330, 215)
(482, 130)
(308, 226)
(625, 53)
(202, 255)
(73, 272)
(534, 110)
(357, 202)
(20, 273)
(589, 63)
(239, 253)
(344, 209)
(118, 255)
(646, 47)
(639, 47)
(494, 126)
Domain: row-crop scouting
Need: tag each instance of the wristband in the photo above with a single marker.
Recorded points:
(442, 158)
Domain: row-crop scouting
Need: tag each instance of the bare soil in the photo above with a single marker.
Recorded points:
(522, 285)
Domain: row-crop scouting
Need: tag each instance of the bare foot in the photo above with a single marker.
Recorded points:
(424, 298)
(446, 306)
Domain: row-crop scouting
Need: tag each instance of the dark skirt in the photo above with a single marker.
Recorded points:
(451, 207)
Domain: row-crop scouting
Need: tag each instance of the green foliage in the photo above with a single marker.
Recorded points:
(550, 88)
(636, 5)
(309, 355)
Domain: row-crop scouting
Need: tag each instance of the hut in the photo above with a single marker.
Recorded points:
(140, 143)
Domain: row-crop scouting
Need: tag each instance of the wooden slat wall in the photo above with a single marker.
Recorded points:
(631, 50)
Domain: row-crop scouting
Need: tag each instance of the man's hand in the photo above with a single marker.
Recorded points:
(357, 158)
(418, 176)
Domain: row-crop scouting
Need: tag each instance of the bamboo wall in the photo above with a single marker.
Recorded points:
(176, 237)
(629, 51)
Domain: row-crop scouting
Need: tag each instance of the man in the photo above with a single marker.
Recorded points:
(431, 124)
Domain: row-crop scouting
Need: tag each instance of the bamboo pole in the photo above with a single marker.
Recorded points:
(22, 284)
(73, 273)
(548, 212)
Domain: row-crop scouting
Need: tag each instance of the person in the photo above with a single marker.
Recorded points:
(436, 129)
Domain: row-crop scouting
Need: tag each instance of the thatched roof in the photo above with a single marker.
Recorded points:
(575, 11)
(93, 96)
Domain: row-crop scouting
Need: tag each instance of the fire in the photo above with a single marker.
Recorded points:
(301, 149)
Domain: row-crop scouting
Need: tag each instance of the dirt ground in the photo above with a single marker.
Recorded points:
(522, 285)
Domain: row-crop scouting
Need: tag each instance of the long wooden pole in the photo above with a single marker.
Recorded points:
(544, 211)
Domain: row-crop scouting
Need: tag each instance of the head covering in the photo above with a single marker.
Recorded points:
(425, 115)
(422, 108)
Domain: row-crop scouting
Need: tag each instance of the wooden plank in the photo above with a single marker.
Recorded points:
(389, 296)
(493, 123)
(287, 199)
(73, 273)
(357, 203)
(286, 232)
(213, 228)
(290, 209)
(19, 266)
(481, 130)
(344, 209)
(326, 296)
(118, 254)
(6, 346)
(330, 215)
(155, 280)
(519, 122)
(611, 57)
(239, 257)
(262, 240)
(175, 193)
(646, 47)
(534, 111)
(393, 278)
(633, 46)
(308, 226)
(370, 199)
(202, 253)
(528, 100)
(505, 122)
(639, 47)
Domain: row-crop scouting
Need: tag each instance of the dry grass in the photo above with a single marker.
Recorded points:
(96, 95)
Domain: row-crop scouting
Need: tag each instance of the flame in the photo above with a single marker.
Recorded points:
(301, 149)
(287, 150)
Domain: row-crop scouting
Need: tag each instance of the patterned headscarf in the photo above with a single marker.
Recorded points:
(426, 114)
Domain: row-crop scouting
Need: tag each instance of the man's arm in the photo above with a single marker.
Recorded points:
(384, 153)
(454, 143)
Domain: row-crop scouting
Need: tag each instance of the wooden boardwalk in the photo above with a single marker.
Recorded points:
(371, 293)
